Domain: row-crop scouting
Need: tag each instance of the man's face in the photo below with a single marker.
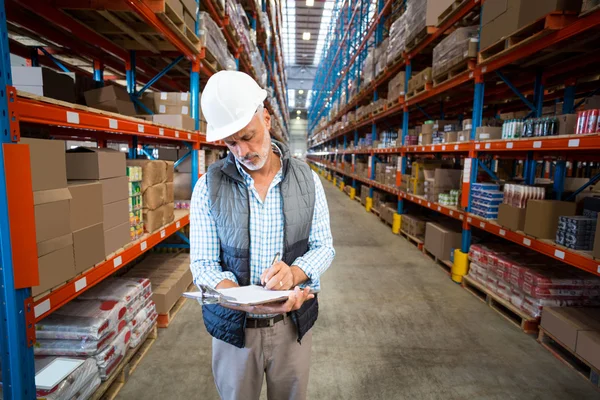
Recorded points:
(252, 144)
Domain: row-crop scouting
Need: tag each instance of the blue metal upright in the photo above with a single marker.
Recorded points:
(195, 112)
(560, 172)
(18, 373)
(569, 99)
(538, 93)
(98, 73)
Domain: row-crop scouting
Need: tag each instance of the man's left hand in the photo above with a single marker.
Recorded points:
(278, 277)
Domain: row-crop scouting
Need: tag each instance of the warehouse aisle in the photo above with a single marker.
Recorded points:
(392, 326)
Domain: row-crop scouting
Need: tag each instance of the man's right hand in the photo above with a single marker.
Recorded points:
(293, 303)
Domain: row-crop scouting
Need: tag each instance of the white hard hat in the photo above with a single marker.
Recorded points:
(229, 101)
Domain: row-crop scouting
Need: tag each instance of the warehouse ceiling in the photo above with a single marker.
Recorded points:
(300, 19)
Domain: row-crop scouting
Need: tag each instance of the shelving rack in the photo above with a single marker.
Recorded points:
(66, 34)
(547, 65)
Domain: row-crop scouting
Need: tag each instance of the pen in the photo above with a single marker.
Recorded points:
(276, 259)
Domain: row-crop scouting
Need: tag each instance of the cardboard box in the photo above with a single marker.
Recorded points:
(153, 219)
(182, 186)
(88, 244)
(450, 137)
(588, 347)
(168, 210)
(170, 194)
(85, 205)
(565, 323)
(48, 163)
(190, 21)
(155, 196)
(170, 171)
(168, 154)
(500, 18)
(106, 94)
(541, 217)
(55, 268)
(54, 244)
(445, 178)
(464, 136)
(567, 124)
(114, 189)
(488, 133)
(115, 214)
(52, 213)
(153, 171)
(511, 217)
(123, 107)
(441, 240)
(175, 110)
(115, 238)
(95, 163)
(190, 7)
(171, 99)
(176, 121)
(425, 139)
(44, 82)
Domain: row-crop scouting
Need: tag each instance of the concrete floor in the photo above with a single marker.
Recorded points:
(392, 326)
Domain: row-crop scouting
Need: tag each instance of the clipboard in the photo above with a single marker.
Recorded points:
(252, 295)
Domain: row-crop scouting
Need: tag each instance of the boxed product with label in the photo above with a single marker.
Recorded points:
(112, 98)
(464, 136)
(179, 121)
(488, 133)
(88, 246)
(413, 225)
(566, 323)
(56, 263)
(44, 82)
(52, 213)
(441, 240)
(450, 137)
(86, 204)
(47, 162)
(567, 124)
(115, 213)
(541, 217)
(94, 163)
(116, 237)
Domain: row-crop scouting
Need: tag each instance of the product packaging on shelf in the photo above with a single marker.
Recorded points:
(541, 217)
(442, 239)
(453, 50)
(112, 98)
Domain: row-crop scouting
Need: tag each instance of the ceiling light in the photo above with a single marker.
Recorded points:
(298, 112)
(306, 36)
(310, 3)
(297, 117)
(300, 91)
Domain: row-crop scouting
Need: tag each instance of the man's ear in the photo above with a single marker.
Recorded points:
(267, 118)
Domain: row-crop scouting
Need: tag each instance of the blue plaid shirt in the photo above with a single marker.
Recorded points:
(266, 234)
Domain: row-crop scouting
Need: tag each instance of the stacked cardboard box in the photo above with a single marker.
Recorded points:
(51, 198)
(419, 80)
(442, 238)
(541, 217)
(364, 193)
(169, 275)
(420, 14)
(414, 225)
(405, 181)
(455, 49)
(440, 181)
(173, 109)
(44, 82)
(157, 191)
(578, 329)
(107, 167)
(417, 178)
(396, 87)
(111, 98)
(387, 211)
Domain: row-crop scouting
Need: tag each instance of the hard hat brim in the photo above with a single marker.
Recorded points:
(213, 134)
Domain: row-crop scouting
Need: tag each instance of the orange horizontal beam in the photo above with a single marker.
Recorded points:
(63, 294)
(107, 5)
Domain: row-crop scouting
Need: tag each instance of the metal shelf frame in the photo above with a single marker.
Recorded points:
(473, 89)
(18, 274)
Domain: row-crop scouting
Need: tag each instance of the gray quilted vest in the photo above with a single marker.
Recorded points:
(229, 206)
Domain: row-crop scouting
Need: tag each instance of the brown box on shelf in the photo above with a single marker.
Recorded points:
(176, 121)
(444, 177)
(464, 136)
(56, 263)
(153, 219)
(168, 213)
(182, 186)
(114, 189)
(488, 133)
(190, 6)
(115, 213)
(170, 171)
(47, 163)
(153, 171)
(501, 18)
(511, 217)
(147, 118)
(588, 347)
(85, 205)
(190, 21)
(441, 240)
(88, 246)
(450, 137)
(413, 225)
(52, 213)
(541, 217)
(170, 196)
(567, 124)
(386, 213)
(425, 139)
(565, 323)
(116, 237)
(110, 98)
(155, 196)
(95, 163)
(173, 110)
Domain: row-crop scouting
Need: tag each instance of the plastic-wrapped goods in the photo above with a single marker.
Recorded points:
(74, 348)
(397, 39)
(127, 290)
(110, 310)
(416, 17)
(56, 326)
(89, 388)
(73, 385)
(142, 329)
(110, 358)
(143, 314)
(368, 68)
(396, 87)
(518, 195)
(454, 49)
(381, 57)
(215, 41)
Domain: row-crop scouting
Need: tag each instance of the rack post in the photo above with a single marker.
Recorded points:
(18, 371)
(99, 73)
(569, 100)
(195, 106)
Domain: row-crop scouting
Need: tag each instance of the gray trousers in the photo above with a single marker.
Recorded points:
(273, 351)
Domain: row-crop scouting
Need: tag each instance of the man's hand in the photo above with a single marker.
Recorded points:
(293, 303)
(278, 277)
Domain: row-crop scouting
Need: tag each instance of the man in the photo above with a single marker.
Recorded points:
(254, 204)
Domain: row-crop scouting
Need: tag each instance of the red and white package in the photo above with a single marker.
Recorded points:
(110, 310)
(115, 351)
(127, 290)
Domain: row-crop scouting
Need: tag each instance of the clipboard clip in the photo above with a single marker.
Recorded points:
(211, 296)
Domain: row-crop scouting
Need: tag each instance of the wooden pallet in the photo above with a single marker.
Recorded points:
(414, 42)
(110, 388)
(446, 265)
(418, 91)
(164, 320)
(527, 34)
(464, 66)
(413, 239)
(178, 26)
(570, 358)
(393, 103)
(506, 309)
(450, 11)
